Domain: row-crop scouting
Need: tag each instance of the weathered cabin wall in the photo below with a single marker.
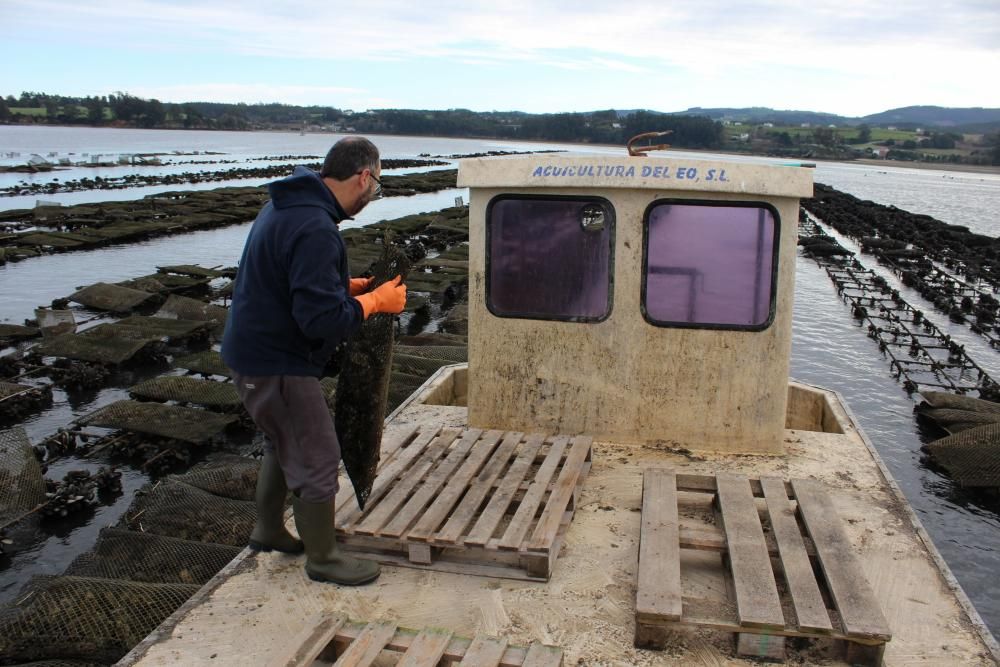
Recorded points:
(624, 379)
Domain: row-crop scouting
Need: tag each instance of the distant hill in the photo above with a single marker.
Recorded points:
(767, 115)
(972, 119)
(928, 116)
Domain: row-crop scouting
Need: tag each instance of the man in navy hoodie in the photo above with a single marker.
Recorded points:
(293, 303)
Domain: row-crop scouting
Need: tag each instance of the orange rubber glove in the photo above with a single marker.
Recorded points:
(359, 285)
(389, 297)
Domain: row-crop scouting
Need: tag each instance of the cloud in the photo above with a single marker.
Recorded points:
(858, 48)
(675, 32)
(249, 93)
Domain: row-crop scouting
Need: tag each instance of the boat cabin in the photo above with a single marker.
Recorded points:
(632, 299)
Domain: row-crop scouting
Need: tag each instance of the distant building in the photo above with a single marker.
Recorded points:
(880, 151)
(768, 124)
(805, 125)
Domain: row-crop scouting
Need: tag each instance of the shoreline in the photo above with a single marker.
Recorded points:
(939, 166)
(970, 168)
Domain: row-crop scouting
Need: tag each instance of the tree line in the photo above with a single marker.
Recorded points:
(608, 126)
(125, 110)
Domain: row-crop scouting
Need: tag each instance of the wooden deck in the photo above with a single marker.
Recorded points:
(334, 639)
(789, 564)
(470, 501)
(262, 601)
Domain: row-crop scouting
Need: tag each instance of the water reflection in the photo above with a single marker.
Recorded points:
(37, 281)
(831, 350)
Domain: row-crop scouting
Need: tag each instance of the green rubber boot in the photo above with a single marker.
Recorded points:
(324, 561)
(269, 533)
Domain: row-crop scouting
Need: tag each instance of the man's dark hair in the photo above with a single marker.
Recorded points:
(349, 156)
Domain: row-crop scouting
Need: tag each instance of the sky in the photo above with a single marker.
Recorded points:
(848, 57)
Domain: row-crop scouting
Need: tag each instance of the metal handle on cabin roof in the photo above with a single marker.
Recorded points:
(642, 150)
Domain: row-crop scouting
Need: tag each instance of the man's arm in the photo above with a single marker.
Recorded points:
(321, 305)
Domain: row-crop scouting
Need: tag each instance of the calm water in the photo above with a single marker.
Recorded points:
(829, 348)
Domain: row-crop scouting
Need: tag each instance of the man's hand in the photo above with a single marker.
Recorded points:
(360, 285)
(389, 297)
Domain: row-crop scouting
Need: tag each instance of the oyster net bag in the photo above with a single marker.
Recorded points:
(94, 347)
(126, 554)
(228, 475)
(412, 365)
(362, 392)
(180, 510)
(185, 308)
(208, 362)
(104, 296)
(190, 425)
(452, 354)
(22, 487)
(943, 399)
(220, 396)
(426, 364)
(84, 618)
(971, 457)
(958, 420)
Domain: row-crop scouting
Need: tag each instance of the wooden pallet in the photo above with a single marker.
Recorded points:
(789, 567)
(330, 638)
(470, 501)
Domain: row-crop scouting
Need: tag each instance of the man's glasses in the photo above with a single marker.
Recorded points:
(378, 184)
(378, 187)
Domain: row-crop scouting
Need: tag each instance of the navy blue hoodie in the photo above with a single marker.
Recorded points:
(290, 303)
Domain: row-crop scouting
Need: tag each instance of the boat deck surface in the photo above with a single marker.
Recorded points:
(259, 603)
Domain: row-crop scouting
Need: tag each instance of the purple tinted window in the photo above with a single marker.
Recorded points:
(709, 265)
(549, 258)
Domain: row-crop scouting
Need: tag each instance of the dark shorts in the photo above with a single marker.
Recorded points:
(298, 428)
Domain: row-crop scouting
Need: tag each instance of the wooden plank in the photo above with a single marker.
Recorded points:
(419, 553)
(702, 483)
(658, 591)
(706, 484)
(484, 652)
(482, 531)
(427, 649)
(385, 509)
(712, 538)
(440, 508)
(766, 647)
(552, 515)
(467, 508)
(431, 486)
(757, 601)
(540, 655)
(852, 596)
(457, 649)
(703, 538)
(391, 445)
(363, 650)
(386, 476)
(308, 644)
(525, 514)
(810, 610)
(732, 625)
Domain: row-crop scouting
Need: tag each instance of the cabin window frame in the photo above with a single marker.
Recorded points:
(610, 222)
(717, 203)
